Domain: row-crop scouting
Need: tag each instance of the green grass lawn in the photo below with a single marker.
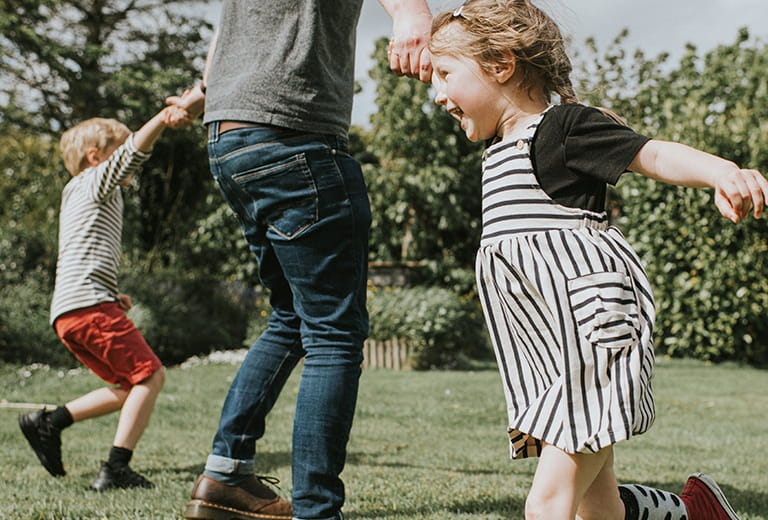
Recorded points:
(428, 445)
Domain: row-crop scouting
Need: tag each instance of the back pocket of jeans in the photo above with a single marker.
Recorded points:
(283, 195)
(605, 309)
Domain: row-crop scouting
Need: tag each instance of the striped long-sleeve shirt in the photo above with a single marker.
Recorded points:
(90, 229)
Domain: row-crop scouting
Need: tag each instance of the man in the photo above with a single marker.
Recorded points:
(278, 94)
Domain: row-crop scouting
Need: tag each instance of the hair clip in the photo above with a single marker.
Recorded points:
(457, 13)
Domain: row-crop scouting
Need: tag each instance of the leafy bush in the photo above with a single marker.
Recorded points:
(178, 317)
(25, 333)
(182, 317)
(422, 175)
(444, 329)
(710, 277)
(27, 265)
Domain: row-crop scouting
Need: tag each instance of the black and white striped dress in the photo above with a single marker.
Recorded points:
(569, 309)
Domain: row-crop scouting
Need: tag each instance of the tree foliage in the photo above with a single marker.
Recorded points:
(64, 61)
(423, 178)
(67, 60)
(30, 188)
(710, 276)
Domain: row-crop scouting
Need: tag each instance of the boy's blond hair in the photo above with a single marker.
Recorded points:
(97, 132)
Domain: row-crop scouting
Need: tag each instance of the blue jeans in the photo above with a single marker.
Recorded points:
(303, 207)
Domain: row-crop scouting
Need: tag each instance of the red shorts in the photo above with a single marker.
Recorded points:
(107, 342)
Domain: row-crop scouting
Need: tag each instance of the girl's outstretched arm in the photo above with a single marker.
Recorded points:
(737, 191)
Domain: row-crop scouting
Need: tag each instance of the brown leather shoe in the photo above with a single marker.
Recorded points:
(249, 500)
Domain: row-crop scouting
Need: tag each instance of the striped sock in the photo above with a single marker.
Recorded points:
(645, 503)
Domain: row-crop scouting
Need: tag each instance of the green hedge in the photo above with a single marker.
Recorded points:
(181, 317)
(25, 334)
(444, 329)
(710, 277)
(27, 258)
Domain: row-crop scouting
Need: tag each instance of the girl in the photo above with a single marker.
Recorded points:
(567, 301)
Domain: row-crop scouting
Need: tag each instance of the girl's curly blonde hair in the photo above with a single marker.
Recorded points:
(97, 132)
(499, 32)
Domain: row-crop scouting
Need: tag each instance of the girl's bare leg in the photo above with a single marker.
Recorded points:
(562, 481)
(602, 500)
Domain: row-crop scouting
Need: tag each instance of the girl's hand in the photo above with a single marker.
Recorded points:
(739, 192)
(124, 302)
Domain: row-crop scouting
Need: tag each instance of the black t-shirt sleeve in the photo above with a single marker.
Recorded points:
(577, 151)
(597, 146)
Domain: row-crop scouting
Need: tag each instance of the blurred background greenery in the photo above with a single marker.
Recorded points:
(191, 274)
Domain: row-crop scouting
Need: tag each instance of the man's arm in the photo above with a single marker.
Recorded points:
(193, 100)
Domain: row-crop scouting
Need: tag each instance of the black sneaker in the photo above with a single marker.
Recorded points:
(45, 440)
(120, 477)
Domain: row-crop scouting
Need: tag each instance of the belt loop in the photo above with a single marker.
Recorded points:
(342, 143)
(213, 132)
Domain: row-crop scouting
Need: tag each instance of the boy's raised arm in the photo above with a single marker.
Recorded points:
(145, 137)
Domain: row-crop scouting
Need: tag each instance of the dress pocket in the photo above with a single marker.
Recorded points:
(605, 309)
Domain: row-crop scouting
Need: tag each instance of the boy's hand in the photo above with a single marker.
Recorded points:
(124, 302)
(192, 101)
(740, 192)
(176, 117)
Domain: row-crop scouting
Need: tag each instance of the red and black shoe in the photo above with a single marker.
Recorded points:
(704, 500)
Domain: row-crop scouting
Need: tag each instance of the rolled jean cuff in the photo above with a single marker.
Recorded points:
(338, 516)
(229, 466)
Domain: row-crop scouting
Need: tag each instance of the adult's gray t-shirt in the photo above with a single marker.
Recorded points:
(287, 63)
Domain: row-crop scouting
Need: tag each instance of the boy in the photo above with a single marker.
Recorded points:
(87, 312)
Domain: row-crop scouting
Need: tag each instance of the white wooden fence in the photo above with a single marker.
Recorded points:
(390, 353)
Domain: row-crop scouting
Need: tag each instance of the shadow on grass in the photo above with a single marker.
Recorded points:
(507, 507)
(743, 501)
(367, 459)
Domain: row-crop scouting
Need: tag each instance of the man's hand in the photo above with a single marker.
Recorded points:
(176, 117)
(192, 102)
(408, 54)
